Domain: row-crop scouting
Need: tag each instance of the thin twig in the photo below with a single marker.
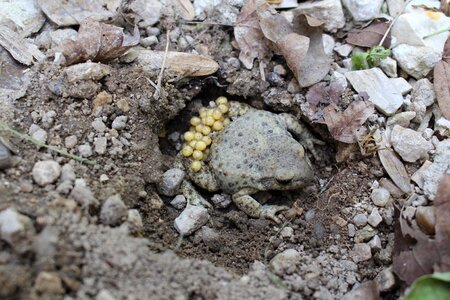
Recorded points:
(392, 23)
(161, 73)
(41, 144)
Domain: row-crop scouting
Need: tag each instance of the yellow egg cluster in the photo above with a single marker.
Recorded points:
(197, 139)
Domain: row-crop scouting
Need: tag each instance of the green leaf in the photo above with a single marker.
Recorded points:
(359, 61)
(430, 287)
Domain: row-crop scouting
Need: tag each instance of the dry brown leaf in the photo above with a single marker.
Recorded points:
(316, 64)
(442, 87)
(343, 126)
(249, 36)
(442, 211)
(185, 9)
(446, 53)
(74, 12)
(370, 36)
(97, 42)
(395, 169)
(273, 25)
(178, 63)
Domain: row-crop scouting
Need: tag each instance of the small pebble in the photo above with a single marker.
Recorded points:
(123, 105)
(113, 211)
(351, 230)
(99, 126)
(134, 221)
(48, 283)
(103, 178)
(85, 150)
(380, 197)
(191, 218)
(409, 213)
(171, 182)
(120, 122)
(211, 238)
(360, 220)
(100, 145)
(45, 172)
(374, 218)
(70, 141)
(375, 243)
(149, 41)
(221, 200)
(287, 232)
(385, 280)
(179, 202)
(285, 262)
(361, 252)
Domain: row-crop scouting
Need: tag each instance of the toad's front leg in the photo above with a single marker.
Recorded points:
(254, 209)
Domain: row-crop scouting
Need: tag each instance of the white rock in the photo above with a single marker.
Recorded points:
(113, 211)
(380, 197)
(381, 92)
(402, 119)
(434, 173)
(395, 7)
(375, 243)
(374, 218)
(287, 232)
(389, 66)
(327, 10)
(40, 135)
(401, 85)
(343, 50)
(149, 41)
(100, 145)
(14, 226)
(26, 15)
(192, 218)
(98, 125)
(223, 11)
(45, 172)
(285, 262)
(423, 92)
(85, 150)
(360, 220)
(417, 177)
(417, 61)
(412, 29)
(339, 79)
(119, 122)
(171, 182)
(442, 125)
(60, 35)
(88, 70)
(363, 10)
(179, 202)
(410, 144)
(134, 220)
(70, 141)
(328, 44)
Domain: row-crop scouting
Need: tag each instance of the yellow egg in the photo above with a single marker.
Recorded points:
(206, 130)
(188, 136)
(207, 140)
(209, 121)
(187, 151)
(199, 128)
(198, 136)
(192, 143)
(217, 114)
(201, 145)
(197, 155)
(196, 166)
(202, 112)
(217, 126)
(209, 112)
(223, 108)
(195, 121)
(221, 100)
(226, 122)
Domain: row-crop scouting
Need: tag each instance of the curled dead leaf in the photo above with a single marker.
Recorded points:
(343, 126)
(97, 42)
(184, 8)
(370, 36)
(395, 169)
(442, 87)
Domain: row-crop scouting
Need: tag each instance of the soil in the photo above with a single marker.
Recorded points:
(90, 258)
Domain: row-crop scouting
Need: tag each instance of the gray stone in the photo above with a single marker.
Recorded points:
(86, 71)
(388, 215)
(401, 85)
(15, 228)
(60, 35)
(385, 280)
(40, 135)
(410, 144)
(104, 295)
(374, 218)
(120, 122)
(360, 220)
(381, 92)
(361, 252)
(49, 283)
(375, 243)
(434, 173)
(365, 234)
(48, 119)
(221, 200)
(409, 212)
(70, 141)
(328, 44)
(113, 211)
(403, 119)
(285, 262)
(351, 230)
(363, 10)
(83, 195)
(211, 238)
(134, 221)
(329, 10)
(423, 92)
(67, 173)
(380, 197)
(85, 150)
(287, 232)
(344, 50)
(46, 172)
(149, 41)
(100, 145)
(417, 61)
(192, 218)
(389, 66)
(417, 177)
(171, 182)
(99, 126)
(179, 202)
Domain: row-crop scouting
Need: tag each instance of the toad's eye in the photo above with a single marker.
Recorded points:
(284, 181)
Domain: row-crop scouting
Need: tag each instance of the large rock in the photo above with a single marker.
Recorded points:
(326, 10)
(192, 218)
(382, 93)
(417, 61)
(434, 173)
(363, 10)
(410, 144)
